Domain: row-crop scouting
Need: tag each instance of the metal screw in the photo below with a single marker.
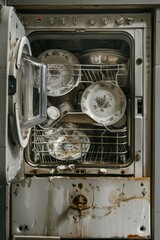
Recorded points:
(138, 156)
(139, 61)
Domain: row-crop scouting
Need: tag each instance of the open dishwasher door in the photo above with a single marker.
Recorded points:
(18, 72)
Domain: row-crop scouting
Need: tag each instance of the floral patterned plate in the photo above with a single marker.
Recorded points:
(67, 144)
(104, 102)
(63, 71)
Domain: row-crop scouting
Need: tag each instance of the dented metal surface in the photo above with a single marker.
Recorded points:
(104, 207)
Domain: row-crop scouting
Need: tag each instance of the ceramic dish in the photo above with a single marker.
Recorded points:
(63, 71)
(103, 56)
(68, 144)
(104, 102)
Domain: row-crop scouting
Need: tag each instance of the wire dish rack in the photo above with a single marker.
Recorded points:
(88, 144)
(97, 147)
(94, 73)
(73, 74)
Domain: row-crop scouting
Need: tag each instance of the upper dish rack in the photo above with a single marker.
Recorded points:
(90, 73)
(94, 73)
(76, 76)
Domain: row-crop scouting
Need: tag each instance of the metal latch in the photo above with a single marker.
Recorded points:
(139, 106)
(12, 85)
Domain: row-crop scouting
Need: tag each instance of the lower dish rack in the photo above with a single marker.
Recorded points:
(83, 146)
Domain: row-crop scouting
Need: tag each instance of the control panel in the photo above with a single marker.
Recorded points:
(83, 21)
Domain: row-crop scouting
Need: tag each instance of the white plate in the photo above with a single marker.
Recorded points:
(63, 71)
(68, 144)
(104, 102)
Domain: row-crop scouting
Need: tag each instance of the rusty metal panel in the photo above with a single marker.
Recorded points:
(82, 207)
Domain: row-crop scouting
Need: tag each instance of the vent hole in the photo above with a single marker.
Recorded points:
(20, 228)
(142, 228)
(80, 185)
(83, 171)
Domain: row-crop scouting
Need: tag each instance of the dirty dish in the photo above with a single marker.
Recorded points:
(63, 71)
(104, 102)
(103, 56)
(68, 144)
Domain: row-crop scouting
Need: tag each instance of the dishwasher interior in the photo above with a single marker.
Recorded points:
(95, 146)
(86, 172)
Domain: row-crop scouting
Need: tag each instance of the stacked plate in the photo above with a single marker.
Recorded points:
(63, 71)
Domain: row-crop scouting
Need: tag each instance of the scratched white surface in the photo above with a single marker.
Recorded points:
(118, 207)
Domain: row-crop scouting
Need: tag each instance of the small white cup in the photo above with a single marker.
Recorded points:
(52, 115)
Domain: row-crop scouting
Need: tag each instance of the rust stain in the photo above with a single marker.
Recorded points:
(34, 171)
(16, 192)
(134, 197)
(139, 178)
(144, 192)
(39, 171)
(116, 197)
(80, 185)
(137, 237)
